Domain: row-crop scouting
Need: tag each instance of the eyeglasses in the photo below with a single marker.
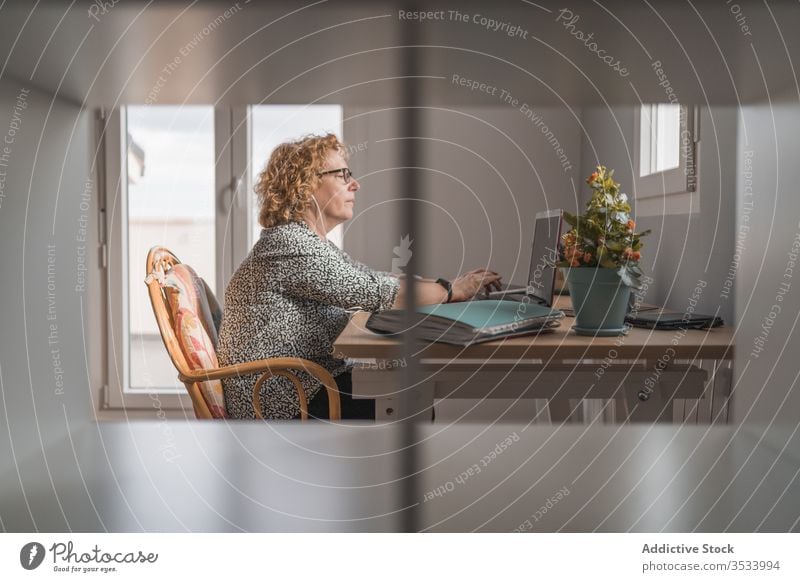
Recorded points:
(346, 174)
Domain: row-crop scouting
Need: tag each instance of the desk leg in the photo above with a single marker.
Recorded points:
(559, 410)
(713, 407)
(722, 382)
(706, 401)
(565, 410)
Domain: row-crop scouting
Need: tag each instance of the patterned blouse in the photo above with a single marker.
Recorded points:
(289, 299)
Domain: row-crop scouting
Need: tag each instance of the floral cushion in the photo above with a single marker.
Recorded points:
(185, 289)
(200, 354)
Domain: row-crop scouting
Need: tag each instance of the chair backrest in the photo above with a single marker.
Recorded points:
(187, 314)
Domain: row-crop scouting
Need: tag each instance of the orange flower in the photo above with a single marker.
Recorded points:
(592, 178)
(574, 263)
(631, 225)
(631, 254)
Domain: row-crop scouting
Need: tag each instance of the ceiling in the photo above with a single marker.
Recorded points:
(107, 53)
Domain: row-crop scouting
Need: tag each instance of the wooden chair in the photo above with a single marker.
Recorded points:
(159, 263)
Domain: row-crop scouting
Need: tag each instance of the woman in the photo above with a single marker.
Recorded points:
(288, 298)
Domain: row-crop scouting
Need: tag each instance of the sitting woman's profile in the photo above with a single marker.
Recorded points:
(289, 296)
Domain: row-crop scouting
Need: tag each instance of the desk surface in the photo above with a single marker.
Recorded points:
(560, 344)
(252, 476)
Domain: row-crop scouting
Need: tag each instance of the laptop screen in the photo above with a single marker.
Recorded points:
(544, 254)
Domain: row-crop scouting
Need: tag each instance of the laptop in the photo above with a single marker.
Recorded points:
(544, 254)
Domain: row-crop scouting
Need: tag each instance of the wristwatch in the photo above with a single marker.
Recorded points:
(447, 285)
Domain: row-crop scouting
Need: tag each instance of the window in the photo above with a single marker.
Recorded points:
(666, 137)
(179, 177)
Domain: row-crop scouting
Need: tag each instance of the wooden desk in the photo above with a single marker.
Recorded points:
(691, 368)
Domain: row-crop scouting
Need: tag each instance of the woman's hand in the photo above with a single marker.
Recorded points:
(470, 284)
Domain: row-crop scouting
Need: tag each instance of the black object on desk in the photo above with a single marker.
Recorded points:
(664, 319)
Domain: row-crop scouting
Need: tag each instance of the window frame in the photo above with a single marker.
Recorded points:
(117, 281)
(674, 190)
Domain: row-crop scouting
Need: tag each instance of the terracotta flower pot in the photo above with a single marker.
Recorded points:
(599, 299)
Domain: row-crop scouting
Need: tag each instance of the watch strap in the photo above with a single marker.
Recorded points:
(448, 286)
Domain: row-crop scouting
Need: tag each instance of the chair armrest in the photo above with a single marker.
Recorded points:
(272, 366)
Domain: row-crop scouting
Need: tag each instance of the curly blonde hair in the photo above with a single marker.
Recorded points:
(291, 175)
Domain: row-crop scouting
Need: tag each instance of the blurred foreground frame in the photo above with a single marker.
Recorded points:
(489, 112)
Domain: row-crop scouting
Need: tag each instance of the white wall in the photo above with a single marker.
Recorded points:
(488, 170)
(683, 248)
(45, 382)
(766, 388)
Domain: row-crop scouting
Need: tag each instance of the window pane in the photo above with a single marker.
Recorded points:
(170, 173)
(669, 129)
(275, 124)
(659, 138)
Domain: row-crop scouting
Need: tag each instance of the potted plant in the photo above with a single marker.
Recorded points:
(600, 256)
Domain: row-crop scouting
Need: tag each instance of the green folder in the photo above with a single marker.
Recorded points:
(469, 322)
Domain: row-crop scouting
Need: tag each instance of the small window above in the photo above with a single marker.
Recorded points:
(667, 137)
(659, 138)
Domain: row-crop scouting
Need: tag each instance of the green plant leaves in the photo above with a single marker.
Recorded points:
(608, 263)
(603, 236)
(570, 219)
(629, 277)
